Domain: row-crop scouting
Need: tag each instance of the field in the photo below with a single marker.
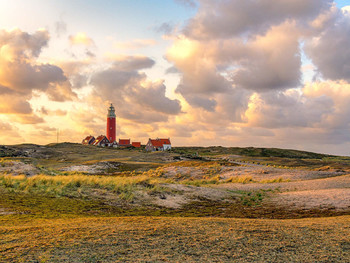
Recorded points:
(74, 203)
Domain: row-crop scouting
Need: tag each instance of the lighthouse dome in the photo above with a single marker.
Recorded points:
(111, 112)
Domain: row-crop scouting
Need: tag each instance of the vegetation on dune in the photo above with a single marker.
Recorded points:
(56, 156)
(74, 185)
(250, 151)
(137, 177)
(81, 206)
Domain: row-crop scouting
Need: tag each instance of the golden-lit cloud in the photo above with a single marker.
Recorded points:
(9, 134)
(22, 75)
(81, 38)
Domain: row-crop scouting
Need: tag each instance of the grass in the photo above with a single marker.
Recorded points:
(248, 151)
(74, 185)
(159, 239)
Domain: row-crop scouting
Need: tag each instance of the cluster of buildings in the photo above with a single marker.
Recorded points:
(109, 140)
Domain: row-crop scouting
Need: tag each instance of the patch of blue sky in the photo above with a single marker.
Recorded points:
(342, 3)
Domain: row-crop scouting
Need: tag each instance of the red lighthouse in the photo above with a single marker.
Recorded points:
(111, 124)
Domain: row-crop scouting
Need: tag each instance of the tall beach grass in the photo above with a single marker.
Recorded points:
(74, 184)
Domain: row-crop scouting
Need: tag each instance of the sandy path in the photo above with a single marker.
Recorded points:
(263, 172)
(322, 199)
(317, 184)
(325, 193)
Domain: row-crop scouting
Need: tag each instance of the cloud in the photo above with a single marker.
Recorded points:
(152, 96)
(9, 133)
(211, 68)
(81, 39)
(225, 19)
(272, 61)
(28, 119)
(172, 70)
(77, 71)
(226, 54)
(60, 28)
(329, 49)
(21, 74)
(242, 73)
(13, 103)
(45, 111)
(187, 3)
(5, 127)
(287, 109)
(136, 98)
(165, 28)
(135, 44)
(132, 63)
(17, 45)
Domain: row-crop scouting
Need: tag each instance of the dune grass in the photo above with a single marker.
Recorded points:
(73, 185)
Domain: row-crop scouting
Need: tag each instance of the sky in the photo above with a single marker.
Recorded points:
(262, 73)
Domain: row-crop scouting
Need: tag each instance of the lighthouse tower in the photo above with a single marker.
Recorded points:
(111, 124)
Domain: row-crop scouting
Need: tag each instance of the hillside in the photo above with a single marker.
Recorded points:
(73, 182)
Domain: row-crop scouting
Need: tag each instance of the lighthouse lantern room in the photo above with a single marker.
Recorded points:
(111, 124)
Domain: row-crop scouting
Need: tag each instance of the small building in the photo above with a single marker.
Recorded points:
(158, 145)
(136, 144)
(101, 141)
(124, 143)
(88, 140)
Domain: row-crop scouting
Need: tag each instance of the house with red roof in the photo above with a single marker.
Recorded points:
(101, 141)
(88, 140)
(124, 143)
(136, 144)
(158, 145)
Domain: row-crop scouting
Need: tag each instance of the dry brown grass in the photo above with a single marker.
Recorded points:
(147, 239)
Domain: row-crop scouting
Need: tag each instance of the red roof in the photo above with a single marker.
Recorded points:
(124, 141)
(136, 144)
(156, 143)
(88, 139)
(99, 139)
(165, 141)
